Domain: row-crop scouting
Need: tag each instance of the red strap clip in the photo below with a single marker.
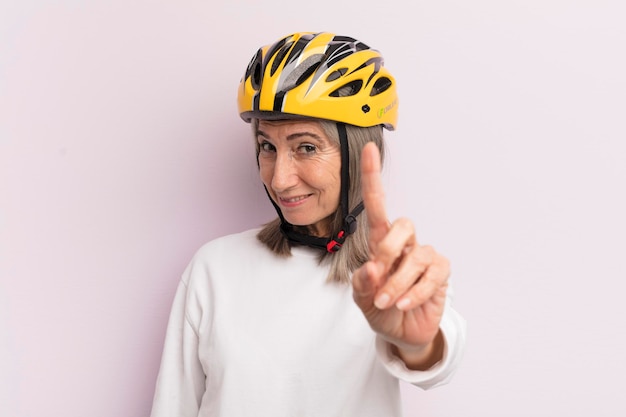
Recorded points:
(334, 246)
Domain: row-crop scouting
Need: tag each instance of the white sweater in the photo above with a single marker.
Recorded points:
(251, 334)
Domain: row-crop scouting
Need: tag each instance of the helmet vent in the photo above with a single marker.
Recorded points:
(381, 85)
(282, 53)
(336, 74)
(254, 70)
(347, 90)
(256, 76)
(303, 71)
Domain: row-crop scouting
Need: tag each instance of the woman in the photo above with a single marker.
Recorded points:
(322, 311)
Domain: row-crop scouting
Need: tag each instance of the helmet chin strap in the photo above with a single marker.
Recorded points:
(330, 244)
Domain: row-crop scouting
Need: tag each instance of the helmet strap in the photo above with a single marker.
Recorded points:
(349, 218)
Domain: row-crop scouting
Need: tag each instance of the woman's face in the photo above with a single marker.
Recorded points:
(300, 167)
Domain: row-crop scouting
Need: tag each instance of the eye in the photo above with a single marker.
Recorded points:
(307, 148)
(266, 147)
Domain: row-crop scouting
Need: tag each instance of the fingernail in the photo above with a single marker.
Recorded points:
(381, 301)
(403, 304)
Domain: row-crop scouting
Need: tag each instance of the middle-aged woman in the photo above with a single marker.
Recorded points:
(322, 311)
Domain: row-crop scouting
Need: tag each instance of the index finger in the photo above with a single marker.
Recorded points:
(373, 194)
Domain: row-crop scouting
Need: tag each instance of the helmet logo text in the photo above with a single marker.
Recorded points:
(383, 110)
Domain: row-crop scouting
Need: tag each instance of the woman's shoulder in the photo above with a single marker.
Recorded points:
(225, 253)
(231, 244)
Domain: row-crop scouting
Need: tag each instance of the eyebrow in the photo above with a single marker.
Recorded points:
(293, 136)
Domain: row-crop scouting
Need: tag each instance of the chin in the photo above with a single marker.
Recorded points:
(311, 225)
(298, 222)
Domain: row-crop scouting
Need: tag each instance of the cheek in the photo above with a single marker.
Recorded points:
(265, 172)
(326, 172)
(331, 184)
(334, 180)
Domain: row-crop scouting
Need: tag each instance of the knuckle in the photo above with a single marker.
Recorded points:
(428, 254)
(443, 263)
(429, 251)
(439, 275)
(416, 259)
(406, 224)
(416, 295)
(384, 247)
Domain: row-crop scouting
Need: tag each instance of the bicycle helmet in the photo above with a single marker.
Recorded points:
(319, 75)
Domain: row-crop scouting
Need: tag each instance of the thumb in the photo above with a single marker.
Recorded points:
(364, 285)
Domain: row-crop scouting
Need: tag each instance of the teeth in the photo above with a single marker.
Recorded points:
(293, 200)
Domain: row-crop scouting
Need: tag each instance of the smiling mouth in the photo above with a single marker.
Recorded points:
(293, 200)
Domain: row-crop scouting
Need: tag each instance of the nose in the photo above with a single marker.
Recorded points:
(285, 175)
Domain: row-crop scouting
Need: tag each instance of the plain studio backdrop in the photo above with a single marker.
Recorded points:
(121, 152)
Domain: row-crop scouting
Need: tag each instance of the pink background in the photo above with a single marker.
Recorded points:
(121, 152)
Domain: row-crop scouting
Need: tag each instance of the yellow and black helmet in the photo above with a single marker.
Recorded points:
(319, 75)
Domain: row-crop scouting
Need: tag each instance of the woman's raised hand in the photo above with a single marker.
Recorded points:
(402, 288)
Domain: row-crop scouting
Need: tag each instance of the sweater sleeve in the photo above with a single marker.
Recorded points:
(181, 381)
(454, 328)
